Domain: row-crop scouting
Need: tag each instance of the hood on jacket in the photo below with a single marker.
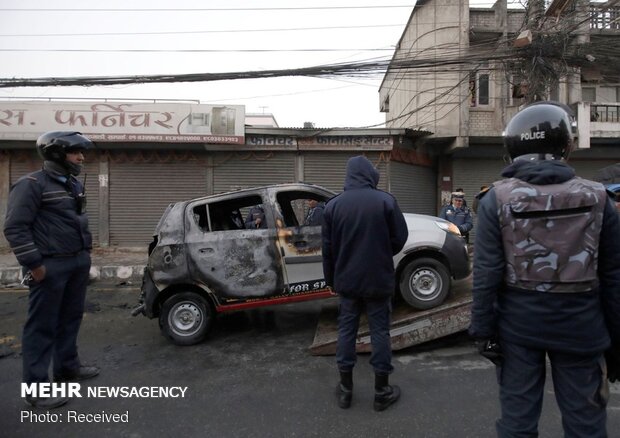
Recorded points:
(360, 174)
(542, 172)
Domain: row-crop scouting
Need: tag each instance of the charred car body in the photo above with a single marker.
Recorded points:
(203, 260)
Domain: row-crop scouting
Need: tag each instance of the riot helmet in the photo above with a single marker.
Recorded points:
(54, 145)
(544, 129)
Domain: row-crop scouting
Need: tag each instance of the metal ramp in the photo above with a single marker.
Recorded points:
(409, 326)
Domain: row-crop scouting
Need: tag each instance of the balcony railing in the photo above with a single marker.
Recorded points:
(604, 17)
(604, 113)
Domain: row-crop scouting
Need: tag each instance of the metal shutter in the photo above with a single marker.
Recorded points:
(142, 185)
(588, 168)
(328, 169)
(237, 170)
(414, 187)
(472, 173)
(24, 162)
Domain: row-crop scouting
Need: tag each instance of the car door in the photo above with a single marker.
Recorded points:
(300, 245)
(235, 262)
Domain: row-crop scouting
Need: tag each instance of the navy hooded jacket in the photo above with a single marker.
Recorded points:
(580, 323)
(363, 229)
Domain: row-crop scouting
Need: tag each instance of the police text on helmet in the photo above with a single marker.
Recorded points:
(532, 135)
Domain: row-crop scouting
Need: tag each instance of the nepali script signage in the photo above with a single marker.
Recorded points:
(125, 121)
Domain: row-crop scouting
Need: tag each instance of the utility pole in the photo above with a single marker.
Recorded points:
(536, 77)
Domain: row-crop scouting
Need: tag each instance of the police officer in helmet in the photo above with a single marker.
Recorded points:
(547, 280)
(47, 228)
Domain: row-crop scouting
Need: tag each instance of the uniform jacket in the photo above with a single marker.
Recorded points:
(255, 213)
(575, 322)
(43, 220)
(461, 217)
(364, 228)
(315, 215)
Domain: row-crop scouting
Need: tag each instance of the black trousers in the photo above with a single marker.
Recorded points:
(579, 383)
(379, 312)
(56, 306)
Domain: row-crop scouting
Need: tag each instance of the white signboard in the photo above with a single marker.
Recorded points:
(125, 121)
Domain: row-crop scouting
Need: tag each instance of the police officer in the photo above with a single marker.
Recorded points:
(47, 229)
(459, 214)
(256, 218)
(315, 212)
(547, 280)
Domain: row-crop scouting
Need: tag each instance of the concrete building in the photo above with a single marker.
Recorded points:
(261, 120)
(151, 154)
(451, 75)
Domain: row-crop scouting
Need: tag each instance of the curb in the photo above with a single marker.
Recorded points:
(12, 276)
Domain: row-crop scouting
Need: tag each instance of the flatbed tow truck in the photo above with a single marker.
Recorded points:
(409, 326)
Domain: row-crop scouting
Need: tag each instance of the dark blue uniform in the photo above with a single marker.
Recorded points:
(573, 329)
(45, 226)
(315, 215)
(461, 217)
(255, 213)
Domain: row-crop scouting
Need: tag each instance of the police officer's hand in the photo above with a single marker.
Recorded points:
(612, 357)
(38, 274)
(490, 349)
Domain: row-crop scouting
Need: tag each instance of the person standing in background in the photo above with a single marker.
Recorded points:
(460, 215)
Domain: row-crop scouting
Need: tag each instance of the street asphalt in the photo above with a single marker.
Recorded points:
(253, 377)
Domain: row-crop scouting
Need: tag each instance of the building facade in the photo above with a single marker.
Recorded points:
(140, 166)
(452, 75)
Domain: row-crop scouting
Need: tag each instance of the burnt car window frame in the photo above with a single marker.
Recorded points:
(284, 200)
(215, 216)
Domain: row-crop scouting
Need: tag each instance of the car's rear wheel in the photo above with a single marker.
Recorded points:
(186, 318)
(424, 283)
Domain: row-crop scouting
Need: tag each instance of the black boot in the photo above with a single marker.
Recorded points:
(385, 394)
(345, 389)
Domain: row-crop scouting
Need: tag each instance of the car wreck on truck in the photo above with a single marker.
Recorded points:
(209, 255)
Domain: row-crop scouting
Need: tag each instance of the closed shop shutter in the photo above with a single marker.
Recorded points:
(588, 168)
(470, 175)
(24, 162)
(328, 169)
(142, 184)
(238, 170)
(414, 187)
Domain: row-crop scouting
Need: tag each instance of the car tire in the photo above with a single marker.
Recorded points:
(186, 318)
(424, 283)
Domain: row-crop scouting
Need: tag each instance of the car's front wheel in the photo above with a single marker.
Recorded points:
(186, 318)
(424, 283)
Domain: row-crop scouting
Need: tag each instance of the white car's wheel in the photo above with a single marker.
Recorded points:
(424, 283)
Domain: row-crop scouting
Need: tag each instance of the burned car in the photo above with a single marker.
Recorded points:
(210, 255)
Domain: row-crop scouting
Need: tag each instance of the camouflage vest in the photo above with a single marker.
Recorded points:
(551, 234)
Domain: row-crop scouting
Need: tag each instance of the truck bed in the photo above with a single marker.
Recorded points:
(409, 326)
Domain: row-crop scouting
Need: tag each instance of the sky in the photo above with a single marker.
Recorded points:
(67, 38)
